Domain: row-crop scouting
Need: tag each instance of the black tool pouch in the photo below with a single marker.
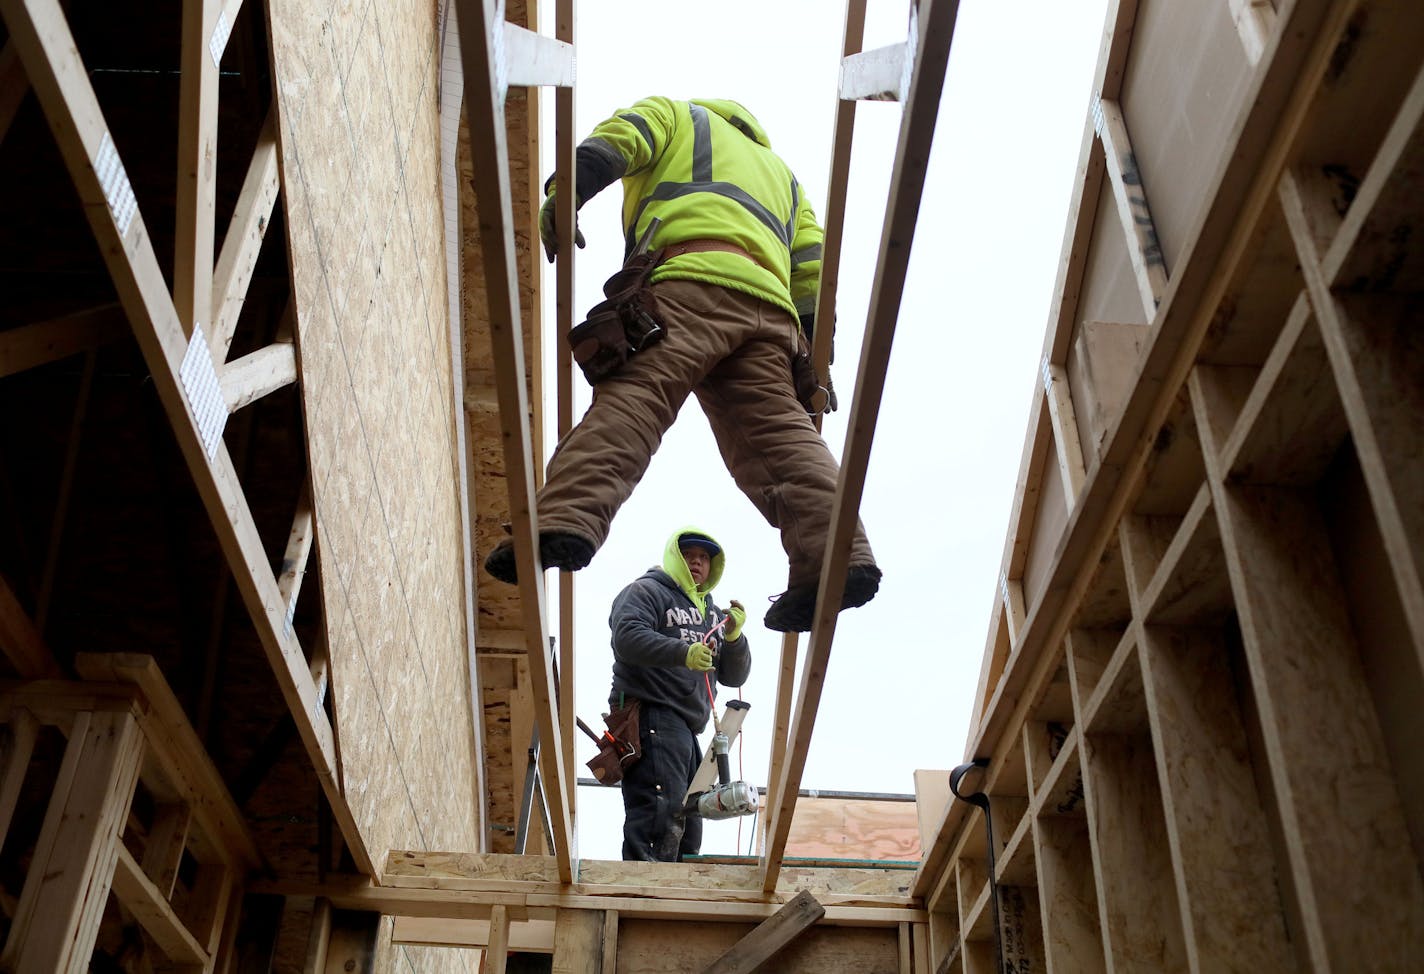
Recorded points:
(813, 396)
(622, 325)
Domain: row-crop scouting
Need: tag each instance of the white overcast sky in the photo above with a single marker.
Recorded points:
(940, 486)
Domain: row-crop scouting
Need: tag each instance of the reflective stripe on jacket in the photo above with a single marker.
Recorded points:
(706, 169)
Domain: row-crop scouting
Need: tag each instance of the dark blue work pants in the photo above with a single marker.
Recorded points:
(654, 785)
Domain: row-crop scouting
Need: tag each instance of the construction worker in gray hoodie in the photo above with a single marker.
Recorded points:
(736, 291)
(668, 655)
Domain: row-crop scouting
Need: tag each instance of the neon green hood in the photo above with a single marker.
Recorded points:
(676, 566)
(736, 113)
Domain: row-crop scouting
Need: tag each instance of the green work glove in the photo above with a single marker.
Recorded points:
(738, 618)
(699, 657)
(547, 228)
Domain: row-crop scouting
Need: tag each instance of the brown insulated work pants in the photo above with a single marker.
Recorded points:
(734, 351)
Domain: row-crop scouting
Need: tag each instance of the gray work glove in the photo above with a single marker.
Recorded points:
(548, 231)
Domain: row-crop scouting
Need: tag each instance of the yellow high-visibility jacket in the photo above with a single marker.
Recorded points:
(705, 168)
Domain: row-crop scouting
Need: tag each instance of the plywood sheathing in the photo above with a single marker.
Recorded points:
(358, 111)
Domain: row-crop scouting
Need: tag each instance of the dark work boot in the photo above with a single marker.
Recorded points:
(795, 609)
(557, 549)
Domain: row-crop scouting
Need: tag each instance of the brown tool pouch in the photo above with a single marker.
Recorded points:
(622, 325)
(615, 755)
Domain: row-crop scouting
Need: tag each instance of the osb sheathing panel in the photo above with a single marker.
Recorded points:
(359, 153)
(1182, 92)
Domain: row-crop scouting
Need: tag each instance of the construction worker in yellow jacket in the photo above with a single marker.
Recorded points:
(741, 255)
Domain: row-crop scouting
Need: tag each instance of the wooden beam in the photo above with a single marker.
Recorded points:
(1065, 436)
(258, 374)
(610, 942)
(875, 75)
(578, 942)
(476, 904)
(154, 913)
(837, 180)
(1144, 250)
(39, 30)
(700, 880)
(163, 851)
(245, 232)
(484, 106)
(197, 168)
(781, 719)
(57, 920)
(532, 59)
(20, 640)
(15, 751)
(770, 936)
(936, 30)
(565, 222)
(497, 950)
(33, 345)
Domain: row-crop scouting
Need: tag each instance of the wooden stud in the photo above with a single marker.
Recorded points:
(1065, 430)
(1014, 613)
(497, 951)
(837, 181)
(250, 218)
(294, 562)
(484, 105)
(15, 750)
(57, 920)
(197, 168)
(906, 950)
(258, 374)
(565, 219)
(1143, 248)
(163, 852)
(154, 913)
(33, 345)
(936, 30)
(610, 942)
(578, 936)
(781, 719)
(770, 936)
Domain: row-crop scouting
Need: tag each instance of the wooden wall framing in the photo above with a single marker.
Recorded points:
(1206, 657)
